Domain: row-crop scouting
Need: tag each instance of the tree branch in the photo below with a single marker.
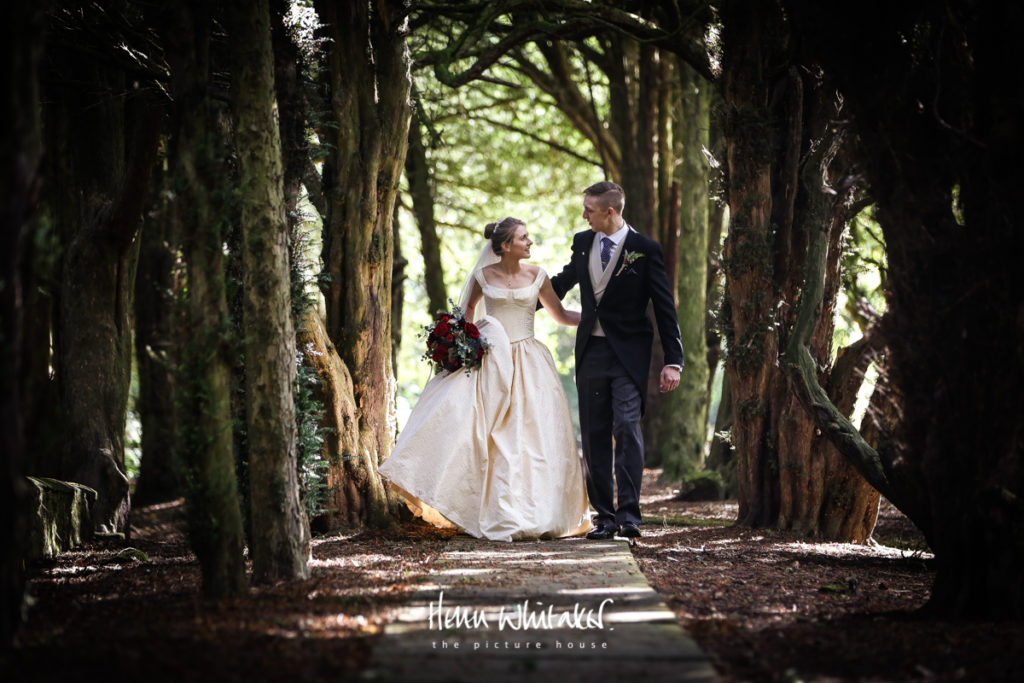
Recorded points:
(565, 19)
(559, 84)
(803, 374)
(533, 136)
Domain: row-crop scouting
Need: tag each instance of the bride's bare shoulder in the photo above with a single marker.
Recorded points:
(488, 274)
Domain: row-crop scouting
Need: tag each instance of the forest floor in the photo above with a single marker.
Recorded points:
(765, 605)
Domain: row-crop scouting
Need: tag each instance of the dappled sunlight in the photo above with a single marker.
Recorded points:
(638, 616)
(352, 561)
(712, 544)
(840, 550)
(318, 541)
(339, 625)
(467, 571)
(606, 591)
(660, 497)
(562, 560)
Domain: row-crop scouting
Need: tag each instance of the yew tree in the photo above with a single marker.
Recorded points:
(784, 154)
(366, 87)
(934, 90)
(279, 543)
(199, 181)
(101, 134)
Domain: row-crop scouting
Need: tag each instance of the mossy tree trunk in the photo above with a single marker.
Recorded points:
(368, 86)
(821, 493)
(782, 146)
(346, 500)
(398, 278)
(102, 148)
(750, 287)
(683, 427)
(280, 530)
(204, 380)
(421, 191)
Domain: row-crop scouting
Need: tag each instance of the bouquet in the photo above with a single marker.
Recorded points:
(453, 343)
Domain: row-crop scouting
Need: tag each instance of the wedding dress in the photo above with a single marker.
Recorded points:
(493, 451)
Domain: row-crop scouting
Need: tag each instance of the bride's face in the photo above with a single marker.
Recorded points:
(519, 246)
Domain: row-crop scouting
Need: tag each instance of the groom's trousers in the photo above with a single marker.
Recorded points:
(610, 409)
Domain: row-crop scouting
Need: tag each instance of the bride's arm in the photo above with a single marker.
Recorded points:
(475, 293)
(554, 305)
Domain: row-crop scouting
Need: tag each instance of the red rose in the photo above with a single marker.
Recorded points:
(472, 331)
(440, 354)
(448, 337)
(442, 329)
(480, 353)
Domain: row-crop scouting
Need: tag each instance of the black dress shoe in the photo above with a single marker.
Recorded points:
(629, 530)
(602, 533)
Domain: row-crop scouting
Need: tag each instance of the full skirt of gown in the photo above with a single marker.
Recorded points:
(493, 450)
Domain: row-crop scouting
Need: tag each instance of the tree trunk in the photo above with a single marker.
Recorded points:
(21, 29)
(292, 108)
(161, 475)
(398, 278)
(348, 477)
(41, 411)
(280, 531)
(421, 190)
(721, 454)
(822, 495)
(368, 84)
(204, 417)
(685, 411)
(104, 146)
(750, 291)
(782, 140)
(850, 509)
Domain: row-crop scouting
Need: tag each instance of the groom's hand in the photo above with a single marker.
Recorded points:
(669, 378)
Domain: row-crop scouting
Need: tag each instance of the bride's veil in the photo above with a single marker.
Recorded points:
(487, 257)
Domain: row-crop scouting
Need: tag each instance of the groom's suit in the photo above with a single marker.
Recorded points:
(612, 370)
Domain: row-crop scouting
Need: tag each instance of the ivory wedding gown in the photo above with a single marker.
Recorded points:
(493, 451)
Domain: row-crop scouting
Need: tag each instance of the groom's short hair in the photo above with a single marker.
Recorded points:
(609, 194)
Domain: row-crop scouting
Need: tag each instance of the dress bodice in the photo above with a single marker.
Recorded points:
(513, 308)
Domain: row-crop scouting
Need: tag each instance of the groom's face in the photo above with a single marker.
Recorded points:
(596, 214)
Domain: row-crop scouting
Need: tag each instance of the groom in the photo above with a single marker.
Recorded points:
(619, 272)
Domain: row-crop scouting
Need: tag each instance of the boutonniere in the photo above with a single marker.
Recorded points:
(628, 259)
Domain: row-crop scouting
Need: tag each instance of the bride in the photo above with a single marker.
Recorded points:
(493, 451)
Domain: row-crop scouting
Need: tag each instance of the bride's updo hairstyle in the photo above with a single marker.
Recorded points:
(501, 232)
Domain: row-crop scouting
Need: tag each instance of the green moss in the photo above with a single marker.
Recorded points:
(750, 408)
(690, 520)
